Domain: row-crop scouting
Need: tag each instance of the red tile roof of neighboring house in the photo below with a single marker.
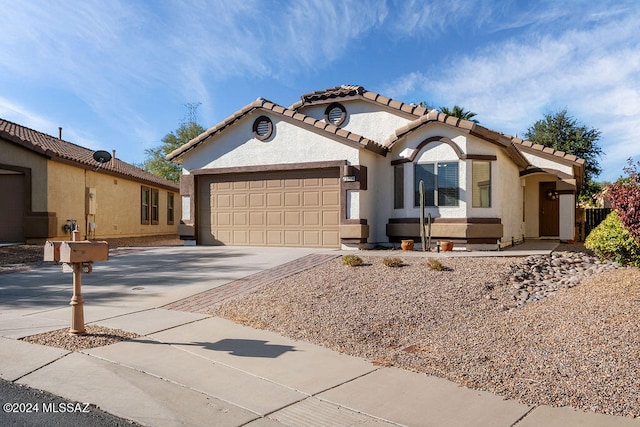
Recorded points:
(287, 114)
(58, 149)
(350, 92)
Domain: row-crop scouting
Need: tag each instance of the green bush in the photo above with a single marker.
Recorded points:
(392, 262)
(352, 260)
(610, 240)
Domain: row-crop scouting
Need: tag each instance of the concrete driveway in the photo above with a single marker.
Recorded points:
(38, 300)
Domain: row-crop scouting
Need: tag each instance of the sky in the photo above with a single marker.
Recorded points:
(118, 75)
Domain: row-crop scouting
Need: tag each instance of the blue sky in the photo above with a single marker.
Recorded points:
(117, 74)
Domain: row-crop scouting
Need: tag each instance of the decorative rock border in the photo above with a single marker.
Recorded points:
(540, 276)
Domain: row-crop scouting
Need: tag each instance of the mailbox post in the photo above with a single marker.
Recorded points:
(80, 255)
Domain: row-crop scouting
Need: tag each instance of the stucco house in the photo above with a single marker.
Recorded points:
(341, 167)
(47, 182)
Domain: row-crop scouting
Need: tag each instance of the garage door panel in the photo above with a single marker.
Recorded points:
(292, 208)
(256, 237)
(312, 237)
(223, 219)
(257, 200)
(330, 198)
(274, 200)
(240, 237)
(240, 201)
(257, 219)
(292, 218)
(311, 198)
(240, 219)
(292, 238)
(330, 218)
(274, 237)
(292, 199)
(223, 200)
(311, 218)
(330, 238)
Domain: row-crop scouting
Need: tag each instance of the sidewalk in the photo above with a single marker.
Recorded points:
(191, 369)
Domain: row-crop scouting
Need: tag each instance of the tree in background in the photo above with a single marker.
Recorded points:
(155, 161)
(459, 112)
(625, 198)
(562, 132)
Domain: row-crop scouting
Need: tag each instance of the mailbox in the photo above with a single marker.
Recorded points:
(83, 251)
(52, 251)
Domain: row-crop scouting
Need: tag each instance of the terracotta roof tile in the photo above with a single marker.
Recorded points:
(351, 91)
(265, 105)
(55, 148)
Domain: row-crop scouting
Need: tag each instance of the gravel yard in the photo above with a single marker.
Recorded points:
(579, 347)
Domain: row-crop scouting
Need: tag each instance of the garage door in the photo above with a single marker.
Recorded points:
(290, 208)
(12, 212)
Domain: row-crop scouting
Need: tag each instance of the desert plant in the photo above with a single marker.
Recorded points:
(435, 264)
(352, 260)
(392, 262)
(610, 240)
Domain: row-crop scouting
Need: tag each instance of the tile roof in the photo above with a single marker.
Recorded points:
(287, 114)
(57, 149)
(351, 91)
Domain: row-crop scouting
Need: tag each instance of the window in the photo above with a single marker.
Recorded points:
(425, 173)
(170, 198)
(145, 197)
(155, 208)
(398, 187)
(481, 184)
(448, 190)
(440, 183)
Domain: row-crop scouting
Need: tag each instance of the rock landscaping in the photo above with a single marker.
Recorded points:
(541, 276)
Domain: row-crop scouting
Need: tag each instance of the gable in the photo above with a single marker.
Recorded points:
(289, 143)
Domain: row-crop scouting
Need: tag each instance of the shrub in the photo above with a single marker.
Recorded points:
(610, 240)
(434, 264)
(625, 197)
(352, 260)
(392, 262)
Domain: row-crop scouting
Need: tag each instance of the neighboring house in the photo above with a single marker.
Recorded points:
(46, 183)
(342, 167)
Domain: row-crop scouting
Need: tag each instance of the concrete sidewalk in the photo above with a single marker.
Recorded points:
(191, 369)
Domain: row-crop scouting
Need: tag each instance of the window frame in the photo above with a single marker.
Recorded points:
(155, 206)
(145, 214)
(433, 187)
(479, 187)
(170, 208)
(398, 186)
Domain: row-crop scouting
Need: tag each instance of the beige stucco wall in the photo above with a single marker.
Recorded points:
(364, 118)
(290, 143)
(11, 154)
(508, 196)
(117, 203)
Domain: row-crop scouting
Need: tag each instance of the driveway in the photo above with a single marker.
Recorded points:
(38, 300)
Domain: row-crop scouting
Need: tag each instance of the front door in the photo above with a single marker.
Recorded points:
(549, 210)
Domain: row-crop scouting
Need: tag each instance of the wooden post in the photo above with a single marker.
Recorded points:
(77, 302)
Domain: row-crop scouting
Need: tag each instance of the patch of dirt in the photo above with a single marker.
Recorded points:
(96, 336)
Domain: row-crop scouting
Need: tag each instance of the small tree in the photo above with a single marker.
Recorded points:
(155, 161)
(562, 132)
(625, 198)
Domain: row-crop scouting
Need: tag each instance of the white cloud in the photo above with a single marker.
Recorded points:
(593, 72)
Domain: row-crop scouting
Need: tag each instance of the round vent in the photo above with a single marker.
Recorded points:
(262, 128)
(335, 114)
